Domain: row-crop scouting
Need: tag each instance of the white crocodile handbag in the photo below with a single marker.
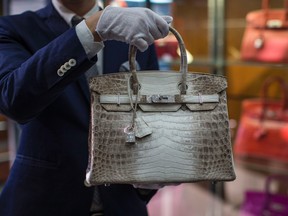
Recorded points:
(158, 127)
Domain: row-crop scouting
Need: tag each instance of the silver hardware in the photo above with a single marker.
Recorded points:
(274, 23)
(161, 98)
(258, 43)
(130, 135)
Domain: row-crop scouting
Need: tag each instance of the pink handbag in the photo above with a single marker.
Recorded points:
(258, 203)
(266, 35)
(262, 136)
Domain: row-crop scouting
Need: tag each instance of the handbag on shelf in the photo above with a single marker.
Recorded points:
(265, 37)
(262, 136)
(258, 203)
(159, 127)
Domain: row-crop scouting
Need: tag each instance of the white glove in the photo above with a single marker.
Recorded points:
(136, 26)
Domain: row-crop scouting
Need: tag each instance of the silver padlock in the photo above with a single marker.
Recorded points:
(130, 135)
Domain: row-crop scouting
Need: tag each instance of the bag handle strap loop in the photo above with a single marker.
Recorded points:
(183, 63)
(266, 6)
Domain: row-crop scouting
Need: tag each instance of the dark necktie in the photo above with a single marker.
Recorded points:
(76, 19)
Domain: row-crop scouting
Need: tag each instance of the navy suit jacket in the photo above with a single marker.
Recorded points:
(47, 177)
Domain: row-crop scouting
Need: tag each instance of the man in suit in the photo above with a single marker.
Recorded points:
(43, 61)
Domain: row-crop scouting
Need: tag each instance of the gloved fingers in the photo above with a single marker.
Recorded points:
(158, 29)
(168, 19)
(141, 44)
(142, 41)
(137, 26)
(161, 27)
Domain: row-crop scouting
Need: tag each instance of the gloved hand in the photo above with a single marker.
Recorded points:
(136, 26)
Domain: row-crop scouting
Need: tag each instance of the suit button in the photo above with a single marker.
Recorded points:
(67, 66)
(62, 68)
(60, 72)
(72, 62)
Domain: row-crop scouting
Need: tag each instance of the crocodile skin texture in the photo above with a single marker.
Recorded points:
(190, 144)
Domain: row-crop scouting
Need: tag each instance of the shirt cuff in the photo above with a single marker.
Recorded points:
(87, 40)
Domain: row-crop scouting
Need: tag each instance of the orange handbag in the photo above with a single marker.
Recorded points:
(265, 37)
(262, 136)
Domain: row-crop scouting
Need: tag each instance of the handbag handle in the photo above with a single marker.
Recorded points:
(265, 7)
(261, 132)
(183, 63)
(264, 93)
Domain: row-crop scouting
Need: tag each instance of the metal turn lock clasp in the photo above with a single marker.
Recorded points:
(162, 98)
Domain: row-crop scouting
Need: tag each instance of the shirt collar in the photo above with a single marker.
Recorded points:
(67, 14)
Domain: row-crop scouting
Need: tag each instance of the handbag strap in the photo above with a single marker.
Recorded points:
(183, 64)
(266, 7)
(264, 93)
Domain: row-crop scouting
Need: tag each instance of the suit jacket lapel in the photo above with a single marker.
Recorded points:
(53, 20)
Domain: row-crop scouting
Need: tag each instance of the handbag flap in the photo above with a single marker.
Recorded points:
(159, 91)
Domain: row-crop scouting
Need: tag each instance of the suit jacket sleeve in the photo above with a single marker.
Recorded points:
(29, 60)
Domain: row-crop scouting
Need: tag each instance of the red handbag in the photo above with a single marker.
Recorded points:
(262, 135)
(257, 203)
(265, 37)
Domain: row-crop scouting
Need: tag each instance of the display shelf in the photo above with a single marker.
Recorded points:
(284, 66)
